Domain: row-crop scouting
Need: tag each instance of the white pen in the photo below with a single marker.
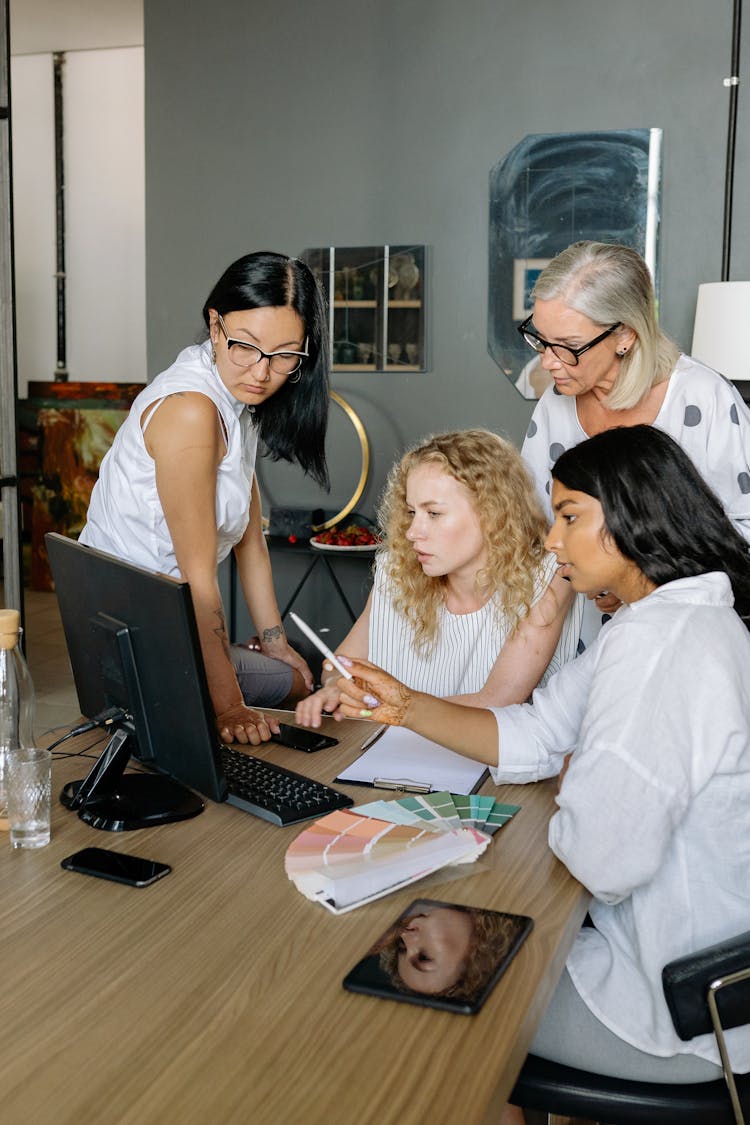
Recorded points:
(373, 738)
(320, 645)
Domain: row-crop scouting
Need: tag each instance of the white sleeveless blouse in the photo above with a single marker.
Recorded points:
(125, 516)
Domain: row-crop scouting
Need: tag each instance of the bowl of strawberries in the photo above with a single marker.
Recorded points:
(351, 537)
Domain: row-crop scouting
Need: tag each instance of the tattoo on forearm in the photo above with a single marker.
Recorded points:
(273, 634)
(221, 629)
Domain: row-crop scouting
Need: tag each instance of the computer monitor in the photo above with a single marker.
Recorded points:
(134, 647)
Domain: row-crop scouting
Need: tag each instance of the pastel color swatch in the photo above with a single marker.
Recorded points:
(353, 856)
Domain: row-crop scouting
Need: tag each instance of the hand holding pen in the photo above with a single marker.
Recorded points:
(309, 711)
(372, 694)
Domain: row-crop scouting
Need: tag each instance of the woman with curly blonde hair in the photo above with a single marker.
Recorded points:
(466, 603)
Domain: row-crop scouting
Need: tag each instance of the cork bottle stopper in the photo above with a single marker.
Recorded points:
(10, 622)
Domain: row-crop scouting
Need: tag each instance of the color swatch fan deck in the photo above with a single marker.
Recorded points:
(353, 856)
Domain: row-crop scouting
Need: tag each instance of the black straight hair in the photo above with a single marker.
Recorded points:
(658, 509)
(292, 423)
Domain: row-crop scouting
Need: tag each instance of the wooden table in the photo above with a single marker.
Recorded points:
(215, 995)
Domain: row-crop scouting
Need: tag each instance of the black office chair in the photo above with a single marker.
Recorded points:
(706, 991)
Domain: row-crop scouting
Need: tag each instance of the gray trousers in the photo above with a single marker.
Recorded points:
(264, 682)
(571, 1035)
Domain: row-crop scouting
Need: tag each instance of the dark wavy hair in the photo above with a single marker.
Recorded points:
(658, 509)
(292, 423)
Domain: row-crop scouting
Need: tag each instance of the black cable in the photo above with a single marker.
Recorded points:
(104, 719)
(58, 62)
(71, 734)
(60, 755)
(734, 89)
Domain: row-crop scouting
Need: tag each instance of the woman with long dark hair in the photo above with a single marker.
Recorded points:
(654, 799)
(177, 491)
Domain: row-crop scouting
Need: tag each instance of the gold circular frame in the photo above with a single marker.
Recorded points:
(364, 446)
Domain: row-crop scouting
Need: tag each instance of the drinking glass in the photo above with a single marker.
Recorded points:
(29, 797)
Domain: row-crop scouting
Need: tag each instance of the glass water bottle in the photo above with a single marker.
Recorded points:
(16, 698)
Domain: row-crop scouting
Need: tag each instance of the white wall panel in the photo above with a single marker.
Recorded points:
(104, 172)
(104, 203)
(33, 146)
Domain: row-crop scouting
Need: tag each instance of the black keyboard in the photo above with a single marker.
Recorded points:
(276, 794)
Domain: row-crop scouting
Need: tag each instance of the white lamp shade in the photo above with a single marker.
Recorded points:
(722, 323)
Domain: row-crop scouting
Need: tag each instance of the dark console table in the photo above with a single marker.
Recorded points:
(328, 589)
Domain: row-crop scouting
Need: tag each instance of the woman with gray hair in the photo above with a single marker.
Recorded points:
(595, 327)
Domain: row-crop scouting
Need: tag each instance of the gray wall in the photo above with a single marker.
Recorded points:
(283, 125)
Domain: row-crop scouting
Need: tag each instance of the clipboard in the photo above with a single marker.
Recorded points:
(397, 758)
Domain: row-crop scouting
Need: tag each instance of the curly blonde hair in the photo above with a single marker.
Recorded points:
(493, 936)
(510, 516)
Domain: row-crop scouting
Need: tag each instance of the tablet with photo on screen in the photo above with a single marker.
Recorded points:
(441, 955)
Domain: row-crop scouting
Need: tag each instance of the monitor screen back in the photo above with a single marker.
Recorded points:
(133, 643)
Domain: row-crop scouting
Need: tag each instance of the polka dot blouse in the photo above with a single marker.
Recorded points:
(701, 410)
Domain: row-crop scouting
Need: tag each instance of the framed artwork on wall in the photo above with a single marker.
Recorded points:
(553, 189)
(525, 273)
(65, 430)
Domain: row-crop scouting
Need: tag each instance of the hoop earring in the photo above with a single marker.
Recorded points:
(299, 376)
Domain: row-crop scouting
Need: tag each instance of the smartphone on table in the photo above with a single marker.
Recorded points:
(300, 739)
(121, 868)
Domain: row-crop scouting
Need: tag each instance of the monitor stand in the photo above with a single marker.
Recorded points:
(115, 801)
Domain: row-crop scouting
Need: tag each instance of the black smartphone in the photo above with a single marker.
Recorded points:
(121, 868)
(441, 955)
(300, 739)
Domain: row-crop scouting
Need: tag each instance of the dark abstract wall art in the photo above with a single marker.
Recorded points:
(551, 190)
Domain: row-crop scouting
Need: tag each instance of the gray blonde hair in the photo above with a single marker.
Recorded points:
(608, 282)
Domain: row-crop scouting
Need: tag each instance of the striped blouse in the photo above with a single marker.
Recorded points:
(459, 659)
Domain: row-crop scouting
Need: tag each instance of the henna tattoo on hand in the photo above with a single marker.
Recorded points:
(404, 699)
(392, 709)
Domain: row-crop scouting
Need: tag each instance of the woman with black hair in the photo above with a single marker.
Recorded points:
(654, 800)
(177, 491)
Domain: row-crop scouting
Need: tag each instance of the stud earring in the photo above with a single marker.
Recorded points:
(622, 353)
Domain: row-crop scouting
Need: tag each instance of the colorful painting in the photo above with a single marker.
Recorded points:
(76, 424)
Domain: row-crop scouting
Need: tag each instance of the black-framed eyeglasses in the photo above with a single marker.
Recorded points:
(247, 355)
(562, 351)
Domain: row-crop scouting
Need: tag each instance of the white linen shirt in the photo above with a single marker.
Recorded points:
(654, 810)
(125, 516)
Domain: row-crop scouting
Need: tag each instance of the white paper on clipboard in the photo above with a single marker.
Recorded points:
(402, 756)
